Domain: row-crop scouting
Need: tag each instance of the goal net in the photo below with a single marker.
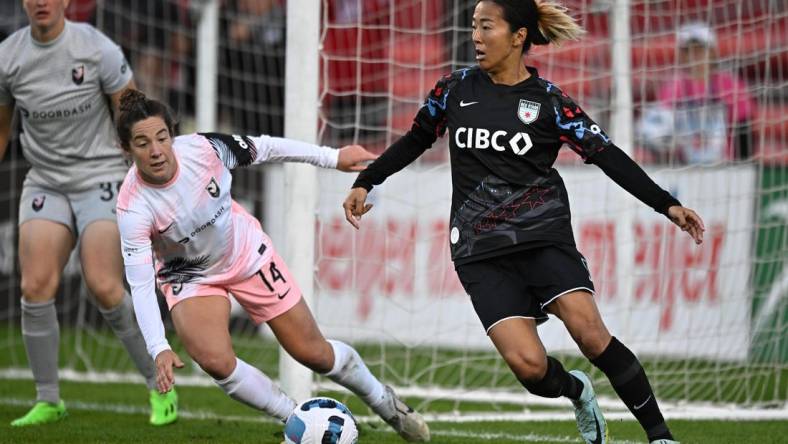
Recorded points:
(708, 322)
(705, 81)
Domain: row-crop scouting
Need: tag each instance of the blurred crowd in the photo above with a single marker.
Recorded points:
(158, 39)
(701, 112)
(703, 115)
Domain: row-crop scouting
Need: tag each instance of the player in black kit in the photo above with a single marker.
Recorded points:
(511, 237)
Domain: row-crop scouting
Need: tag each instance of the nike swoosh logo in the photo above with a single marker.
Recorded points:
(464, 104)
(282, 296)
(166, 228)
(638, 407)
(598, 439)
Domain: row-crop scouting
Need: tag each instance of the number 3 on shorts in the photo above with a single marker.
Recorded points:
(106, 190)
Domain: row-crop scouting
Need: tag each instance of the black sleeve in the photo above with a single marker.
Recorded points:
(399, 155)
(628, 174)
(588, 139)
(429, 124)
(432, 114)
(574, 127)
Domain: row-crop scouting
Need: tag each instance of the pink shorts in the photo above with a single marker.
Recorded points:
(267, 294)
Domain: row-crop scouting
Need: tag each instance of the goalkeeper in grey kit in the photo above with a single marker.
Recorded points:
(510, 227)
(62, 77)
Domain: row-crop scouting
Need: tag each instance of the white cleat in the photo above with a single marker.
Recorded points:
(407, 422)
(665, 441)
(590, 422)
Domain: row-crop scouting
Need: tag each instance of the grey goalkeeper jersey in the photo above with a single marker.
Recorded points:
(60, 88)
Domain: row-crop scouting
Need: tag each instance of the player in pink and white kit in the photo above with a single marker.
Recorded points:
(179, 224)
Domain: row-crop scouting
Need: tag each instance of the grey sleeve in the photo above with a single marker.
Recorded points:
(5, 89)
(114, 70)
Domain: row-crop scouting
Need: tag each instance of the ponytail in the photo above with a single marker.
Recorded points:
(555, 24)
(546, 22)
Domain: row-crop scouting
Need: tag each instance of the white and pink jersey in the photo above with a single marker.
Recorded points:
(190, 230)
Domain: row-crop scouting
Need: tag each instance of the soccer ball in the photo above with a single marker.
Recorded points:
(320, 420)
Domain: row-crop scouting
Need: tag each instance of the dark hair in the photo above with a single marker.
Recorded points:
(546, 22)
(134, 106)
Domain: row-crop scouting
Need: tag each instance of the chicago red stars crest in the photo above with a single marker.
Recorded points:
(528, 111)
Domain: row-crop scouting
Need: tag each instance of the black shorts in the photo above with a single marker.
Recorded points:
(522, 283)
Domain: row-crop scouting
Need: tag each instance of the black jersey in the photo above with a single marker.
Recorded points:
(503, 142)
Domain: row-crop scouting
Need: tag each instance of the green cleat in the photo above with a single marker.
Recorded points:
(42, 413)
(163, 408)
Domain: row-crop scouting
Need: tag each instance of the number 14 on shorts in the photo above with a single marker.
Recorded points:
(275, 276)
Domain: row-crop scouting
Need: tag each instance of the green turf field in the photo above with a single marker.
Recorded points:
(101, 413)
(673, 380)
(118, 412)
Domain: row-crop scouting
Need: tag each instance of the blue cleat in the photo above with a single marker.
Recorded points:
(590, 421)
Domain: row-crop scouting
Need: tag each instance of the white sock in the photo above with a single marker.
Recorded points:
(250, 386)
(350, 372)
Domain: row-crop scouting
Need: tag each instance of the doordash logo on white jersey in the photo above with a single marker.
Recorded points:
(481, 139)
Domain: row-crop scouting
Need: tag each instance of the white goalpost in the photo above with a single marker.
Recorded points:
(301, 192)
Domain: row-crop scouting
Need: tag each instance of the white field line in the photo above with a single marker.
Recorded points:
(530, 437)
(140, 410)
(615, 408)
(185, 414)
(65, 374)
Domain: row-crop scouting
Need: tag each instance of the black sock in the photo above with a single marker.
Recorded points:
(629, 380)
(555, 383)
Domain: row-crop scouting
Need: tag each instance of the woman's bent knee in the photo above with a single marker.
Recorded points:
(39, 288)
(218, 366)
(318, 359)
(527, 367)
(593, 342)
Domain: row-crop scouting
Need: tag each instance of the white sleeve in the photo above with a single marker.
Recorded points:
(143, 294)
(279, 149)
(134, 229)
(234, 150)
